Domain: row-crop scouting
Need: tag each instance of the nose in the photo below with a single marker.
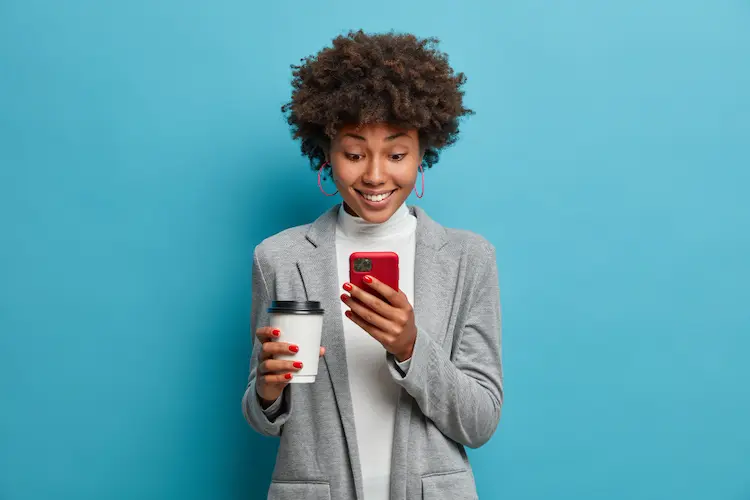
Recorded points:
(374, 174)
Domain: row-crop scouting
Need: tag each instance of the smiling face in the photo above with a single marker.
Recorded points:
(375, 168)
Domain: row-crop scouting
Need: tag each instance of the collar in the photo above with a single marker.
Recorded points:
(353, 227)
(322, 232)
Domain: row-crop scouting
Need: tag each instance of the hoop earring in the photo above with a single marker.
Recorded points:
(421, 171)
(320, 185)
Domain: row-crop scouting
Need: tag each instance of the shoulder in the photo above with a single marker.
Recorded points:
(473, 249)
(282, 244)
(467, 242)
(461, 244)
(471, 244)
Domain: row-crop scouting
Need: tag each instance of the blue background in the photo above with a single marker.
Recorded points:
(143, 155)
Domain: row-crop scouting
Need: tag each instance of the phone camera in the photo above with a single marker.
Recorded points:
(362, 265)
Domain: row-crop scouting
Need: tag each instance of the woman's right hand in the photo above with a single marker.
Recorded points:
(274, 374)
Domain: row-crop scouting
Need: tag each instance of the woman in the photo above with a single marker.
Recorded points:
(406, 382)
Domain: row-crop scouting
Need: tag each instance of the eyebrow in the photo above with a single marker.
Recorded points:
(389, 138)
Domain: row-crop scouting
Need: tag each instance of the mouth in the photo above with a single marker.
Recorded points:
(376, 198)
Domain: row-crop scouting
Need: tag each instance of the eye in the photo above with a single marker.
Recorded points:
(353, 156)
(398, 156)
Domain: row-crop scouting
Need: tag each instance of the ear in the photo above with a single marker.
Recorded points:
(324, 147)
(327, 147)
(327, 154)
(422, 151)
(330, 165)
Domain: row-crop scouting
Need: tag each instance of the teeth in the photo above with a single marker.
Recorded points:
(377, 198)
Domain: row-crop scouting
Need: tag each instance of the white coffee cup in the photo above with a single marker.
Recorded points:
(301, 324)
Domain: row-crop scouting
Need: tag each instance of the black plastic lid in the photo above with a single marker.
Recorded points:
(295, 307)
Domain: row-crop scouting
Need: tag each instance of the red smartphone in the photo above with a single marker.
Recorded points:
(383, 266)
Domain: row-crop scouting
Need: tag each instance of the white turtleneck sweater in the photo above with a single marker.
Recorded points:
(374, 393)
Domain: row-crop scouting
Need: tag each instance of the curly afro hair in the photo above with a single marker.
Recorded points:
(376, 78)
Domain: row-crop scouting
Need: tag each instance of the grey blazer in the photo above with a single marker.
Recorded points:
(452, 392)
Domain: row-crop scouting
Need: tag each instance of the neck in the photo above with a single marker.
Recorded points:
(351, 225)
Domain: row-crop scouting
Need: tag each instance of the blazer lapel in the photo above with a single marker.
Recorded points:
(432, 298)
(432, 305)
(319, 272)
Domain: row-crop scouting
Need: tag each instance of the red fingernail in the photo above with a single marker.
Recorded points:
(348, 314)
(344, 297)
(348, 287)
(367, 279)
(276, 333)
(294, 348)
(288, 376)
(298, 364)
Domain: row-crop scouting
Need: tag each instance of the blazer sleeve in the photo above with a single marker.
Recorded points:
(269, 421)
(462, 393)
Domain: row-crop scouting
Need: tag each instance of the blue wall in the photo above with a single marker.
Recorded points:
(143, 155)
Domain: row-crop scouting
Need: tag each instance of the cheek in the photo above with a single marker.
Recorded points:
(406, 176)
(341, 175)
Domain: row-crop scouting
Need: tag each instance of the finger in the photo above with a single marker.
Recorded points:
(267, 333)
(366, 313)
(278, 379)
(322, 351)
(395, 298)
(270, 349)
(374, 331)
(375, 303)
(280, 366)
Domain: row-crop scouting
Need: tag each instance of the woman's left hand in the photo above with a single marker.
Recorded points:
(390, 322)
